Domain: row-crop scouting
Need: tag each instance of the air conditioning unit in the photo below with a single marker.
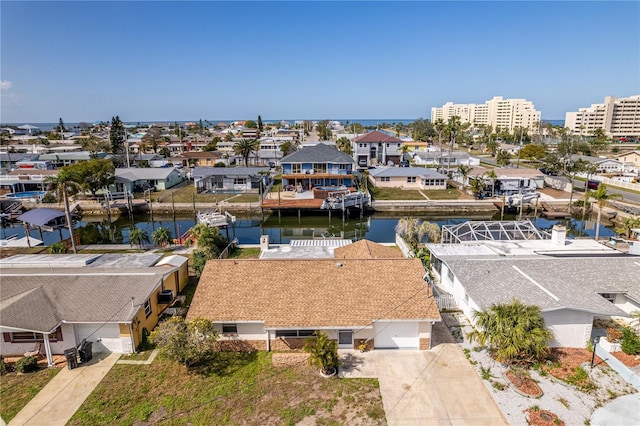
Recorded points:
(165, 296)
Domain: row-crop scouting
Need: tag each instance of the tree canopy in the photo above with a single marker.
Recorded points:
(188, 342)
(117, 136)
(514, 332)
(250, 124)
(246, 147)
(91, 175)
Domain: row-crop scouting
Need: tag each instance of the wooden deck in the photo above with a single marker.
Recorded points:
(291, 203)
(550, 212)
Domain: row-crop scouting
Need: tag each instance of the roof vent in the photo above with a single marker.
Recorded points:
(339, 265)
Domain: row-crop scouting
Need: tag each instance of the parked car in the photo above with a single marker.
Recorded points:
(404, 163)
(593, 184)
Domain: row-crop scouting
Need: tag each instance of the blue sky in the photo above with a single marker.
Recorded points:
(145, 61)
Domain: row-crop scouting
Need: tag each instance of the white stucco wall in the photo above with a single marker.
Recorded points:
(246, 331)
(571, 329)
(15, 349)
(626, 304)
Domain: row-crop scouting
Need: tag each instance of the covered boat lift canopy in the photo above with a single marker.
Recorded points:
(505, 230)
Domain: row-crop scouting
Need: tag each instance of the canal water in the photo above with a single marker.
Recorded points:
(377, 227)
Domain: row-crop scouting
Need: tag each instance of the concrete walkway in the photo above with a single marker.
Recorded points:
(622, 411)
(65, 393)
(436, 387)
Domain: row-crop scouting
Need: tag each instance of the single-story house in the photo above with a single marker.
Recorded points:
(407, 178)
(8, 160)
(573, 284)
(231, 179)
(604, 165)
(276, 304)
(199, 159)
(631, 159)
(60, 305)
(509, 180)
(61, 159)
(138, 179)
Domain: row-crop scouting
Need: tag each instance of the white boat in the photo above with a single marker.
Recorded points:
(522, 198)
(344, 199)
(212, 218)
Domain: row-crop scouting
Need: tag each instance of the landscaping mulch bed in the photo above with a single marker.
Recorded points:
(569, 359)
(628, 360)
(524, 383)
(543, 418)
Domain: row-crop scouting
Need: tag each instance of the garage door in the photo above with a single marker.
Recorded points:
(107, 334)
(396, 335)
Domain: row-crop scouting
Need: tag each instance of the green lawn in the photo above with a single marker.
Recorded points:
(240, 388)
(17, 390)
(245, 253)
(407, 194)
(185, 195)
(244, 198)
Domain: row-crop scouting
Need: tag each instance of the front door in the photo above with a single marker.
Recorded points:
(345, 339)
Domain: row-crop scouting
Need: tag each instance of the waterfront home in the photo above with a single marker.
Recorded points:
(22, 180)
(276, 304)
(59, 300)
(573, 282)
(509, 180)
(9, 160)
(407, 178)
(317, 165)
(631, 159)
(376, 147)
(139, 179)
(231, 179)
(59, 159)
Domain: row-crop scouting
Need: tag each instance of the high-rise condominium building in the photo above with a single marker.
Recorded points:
(497, 112)
(617, 117)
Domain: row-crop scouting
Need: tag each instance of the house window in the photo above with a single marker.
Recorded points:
(230, 328)
(411, 179)
(147, 307)
(29, 337)
(296, 168)
(385, 179)
(240, 181)
(294, 333)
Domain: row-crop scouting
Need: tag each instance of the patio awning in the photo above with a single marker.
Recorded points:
(40, 217)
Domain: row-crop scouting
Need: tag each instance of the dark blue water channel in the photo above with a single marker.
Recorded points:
(377, 227)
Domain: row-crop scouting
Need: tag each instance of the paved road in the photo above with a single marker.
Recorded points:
(628, 196)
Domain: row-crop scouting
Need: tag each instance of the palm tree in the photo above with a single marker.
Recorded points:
(503, 158)
(492, 175)
(440, 127)
(138, 237)
(515, 332)
(463, 170)
(323, 352)
(63, 185)
(627, 225)
(413, 230)
(477, 186)
(161, 236)
(492, 145)
(601, 198)
(246, 147)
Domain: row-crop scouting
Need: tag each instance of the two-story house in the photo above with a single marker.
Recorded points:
(317, 166)
(376, 148)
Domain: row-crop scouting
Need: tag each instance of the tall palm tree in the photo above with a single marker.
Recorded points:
(138, 237)
(63, 185)
(601, 198)
(454, 127)
(246, 147)
(491, 174)
(515, 332)
(463, 170)
(503, 158)
(161, 236)
(440, 128)
(412, 230)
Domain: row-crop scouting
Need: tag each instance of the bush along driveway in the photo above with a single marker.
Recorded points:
(571, 390)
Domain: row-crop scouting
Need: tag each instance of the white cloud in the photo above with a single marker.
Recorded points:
(5, 84)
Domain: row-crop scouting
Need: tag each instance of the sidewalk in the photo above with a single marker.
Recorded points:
(65, 393)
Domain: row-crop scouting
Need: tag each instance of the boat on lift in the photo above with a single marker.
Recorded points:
(215, 218)
(515, 200)
(340, 200)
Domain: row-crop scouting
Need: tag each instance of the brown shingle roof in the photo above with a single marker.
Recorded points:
(313, 293)
(376, 136)
(365, 249)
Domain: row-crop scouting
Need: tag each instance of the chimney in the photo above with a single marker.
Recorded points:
(558, 235)
(264, 243)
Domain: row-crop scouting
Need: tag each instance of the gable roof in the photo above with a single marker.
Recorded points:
(152, 173)
(40, 300)
(365, 249)
(572, 283)
(376, 136)
(316, 293)
(319, 153)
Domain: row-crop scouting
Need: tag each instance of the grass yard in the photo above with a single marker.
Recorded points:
(242, 388)
(394, 194)
(17, 390)
(245, 253)
(447, 194)
(186, 193)
(244, 198)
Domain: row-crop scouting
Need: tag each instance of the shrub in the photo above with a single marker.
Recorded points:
(188, 342)
(323, 352)
(27, 364)
(630, 342)
(613, 334)
(49, 198)
(58, 248)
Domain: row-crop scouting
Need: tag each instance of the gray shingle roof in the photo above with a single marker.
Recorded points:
(39, 300)
(406, 172)
(152, 173)
(575, 282)
(319, 153)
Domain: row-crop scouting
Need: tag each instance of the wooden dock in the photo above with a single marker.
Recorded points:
(550, 212)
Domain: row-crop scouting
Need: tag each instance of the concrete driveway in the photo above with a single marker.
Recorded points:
(436, 387)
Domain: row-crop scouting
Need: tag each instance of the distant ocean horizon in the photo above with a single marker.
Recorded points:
(366, 122)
